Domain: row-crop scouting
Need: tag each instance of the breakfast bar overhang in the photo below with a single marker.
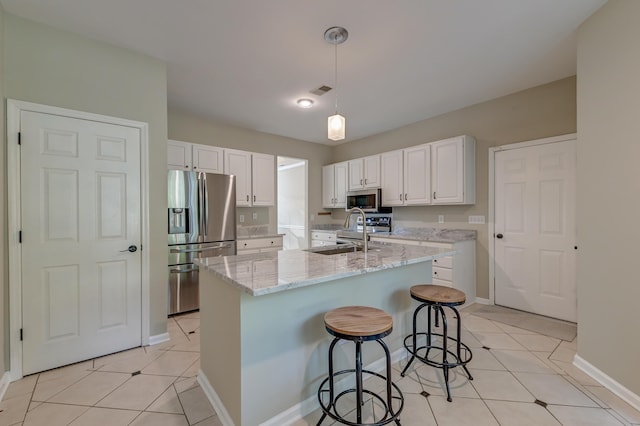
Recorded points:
(263, 343)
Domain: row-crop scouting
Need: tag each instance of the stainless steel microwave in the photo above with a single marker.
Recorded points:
(368, 200)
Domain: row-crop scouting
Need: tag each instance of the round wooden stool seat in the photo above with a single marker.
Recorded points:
(358, 321)
(438, 294)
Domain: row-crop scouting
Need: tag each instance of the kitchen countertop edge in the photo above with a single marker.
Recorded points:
(391, 256)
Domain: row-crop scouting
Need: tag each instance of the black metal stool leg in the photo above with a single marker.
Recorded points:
(415, 341)
(358, 381)
(333, 344)
(459, 342)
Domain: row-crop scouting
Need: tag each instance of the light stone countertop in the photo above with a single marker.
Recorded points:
(253, 237)
(270, 272)
(436, 235)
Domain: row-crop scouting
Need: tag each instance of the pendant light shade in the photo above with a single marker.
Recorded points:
(336, 124)
(336, 127)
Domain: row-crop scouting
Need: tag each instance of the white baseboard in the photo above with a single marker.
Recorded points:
(159, 338)
(306, 407)
(4, 383)
(214, 399)
(606, 381)
(483, 301)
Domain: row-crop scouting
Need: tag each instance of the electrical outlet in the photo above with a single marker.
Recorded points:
(241, 218)
(255, 216)
(440, 218)
(478, 220)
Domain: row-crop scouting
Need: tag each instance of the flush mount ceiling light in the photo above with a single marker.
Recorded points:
(305, 103)
(336, 123)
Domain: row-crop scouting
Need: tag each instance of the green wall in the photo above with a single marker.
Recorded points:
(52, 67)
(608, 191)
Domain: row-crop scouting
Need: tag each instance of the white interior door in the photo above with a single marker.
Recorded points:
(535, 232)
(80, 195)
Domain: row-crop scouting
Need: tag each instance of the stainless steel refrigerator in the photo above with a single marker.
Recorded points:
(201, 223)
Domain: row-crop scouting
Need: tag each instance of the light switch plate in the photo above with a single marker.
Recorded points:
(255, 216)
(241, 218)
(440, 218)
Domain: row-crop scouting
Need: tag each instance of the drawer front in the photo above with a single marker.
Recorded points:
(258, 243)
(442, 283)
(444, 262)
(442, 273)
(323, 236)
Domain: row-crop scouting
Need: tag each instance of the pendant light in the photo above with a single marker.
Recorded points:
(336, 123)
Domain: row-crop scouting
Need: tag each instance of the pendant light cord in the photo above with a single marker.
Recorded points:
(335, 44)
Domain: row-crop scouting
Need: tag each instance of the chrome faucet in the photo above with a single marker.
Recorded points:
(364, 225)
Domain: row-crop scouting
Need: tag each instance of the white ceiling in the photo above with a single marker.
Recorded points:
(246, 62)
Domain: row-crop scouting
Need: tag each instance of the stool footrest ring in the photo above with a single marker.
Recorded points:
(456, 361)
(329, 407)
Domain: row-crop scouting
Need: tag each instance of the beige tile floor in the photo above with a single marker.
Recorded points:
(157, 386)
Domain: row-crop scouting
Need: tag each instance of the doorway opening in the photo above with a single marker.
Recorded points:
(293, 202)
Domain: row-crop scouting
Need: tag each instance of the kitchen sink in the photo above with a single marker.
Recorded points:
(346, 248)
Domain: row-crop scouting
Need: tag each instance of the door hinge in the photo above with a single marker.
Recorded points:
(19, 138)
(20, 236)
(21, 335)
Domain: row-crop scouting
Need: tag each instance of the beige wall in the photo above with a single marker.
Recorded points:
(4, 272)
(190, 128)
(542, 111)
(609, 191)
(52, 67)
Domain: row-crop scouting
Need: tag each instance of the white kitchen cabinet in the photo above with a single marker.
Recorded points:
(196, 157)
(323, 238)
(405, 176)
(364, 173)
(457, 271)
(259, 245)
(453, 171)
(263, 169)
(255, 177)
(334, 185)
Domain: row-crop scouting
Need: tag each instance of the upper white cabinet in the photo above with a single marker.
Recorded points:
(255, 177)
(263, 173)
(334, 185)
(405, 176)
(364, 173)
(196, 157)
(453, 171)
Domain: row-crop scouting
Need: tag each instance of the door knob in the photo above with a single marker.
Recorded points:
(131, 249)
(499, 236)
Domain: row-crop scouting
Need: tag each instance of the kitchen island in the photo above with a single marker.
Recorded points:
(263, 343)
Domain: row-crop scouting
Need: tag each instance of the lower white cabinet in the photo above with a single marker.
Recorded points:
(259, 245)
(323, 238)
(457, 271)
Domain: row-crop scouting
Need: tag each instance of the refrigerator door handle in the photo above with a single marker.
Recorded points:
(205, 198)
(196, 250)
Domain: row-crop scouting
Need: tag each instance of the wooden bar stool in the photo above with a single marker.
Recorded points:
(438, 297)
(359, 324)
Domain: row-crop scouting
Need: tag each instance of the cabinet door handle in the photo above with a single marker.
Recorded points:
(254, 198)
(247, 197)
(405, 196)
(360, 181)
(400, 197)
(365, 181)
(434, 195)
